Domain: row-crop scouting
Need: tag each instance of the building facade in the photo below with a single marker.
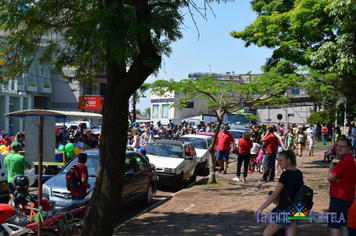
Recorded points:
(296, 112)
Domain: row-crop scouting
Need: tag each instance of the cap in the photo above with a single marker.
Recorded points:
(225, 127)
(15, 145)
(299, 126)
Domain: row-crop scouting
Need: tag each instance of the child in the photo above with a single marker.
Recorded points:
(311, 144)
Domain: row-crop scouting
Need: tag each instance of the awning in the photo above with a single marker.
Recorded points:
(55, 113)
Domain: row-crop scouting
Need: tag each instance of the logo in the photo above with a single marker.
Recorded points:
(67, 196)
(299, 213)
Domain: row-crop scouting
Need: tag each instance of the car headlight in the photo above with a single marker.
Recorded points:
(168, 170)
(46, 190)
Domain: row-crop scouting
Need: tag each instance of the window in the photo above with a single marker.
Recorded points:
(189, 105)
(155, 111)
(42, 71)
(102, 89)
(165, 110)
(295, 91)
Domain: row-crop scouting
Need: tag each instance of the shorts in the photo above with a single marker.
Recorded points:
(11, 188)
(301, 143)
(284, 222)
(338, 206)
(222, 155)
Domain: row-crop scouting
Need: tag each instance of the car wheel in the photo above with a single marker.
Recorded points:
(179, 183)
(204, 170)
(148, 196)
(193, 178)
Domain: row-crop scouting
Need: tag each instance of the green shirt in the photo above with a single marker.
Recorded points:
(15, 164)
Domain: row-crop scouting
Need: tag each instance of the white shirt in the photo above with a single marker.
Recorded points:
(78, 144)
(254, 148)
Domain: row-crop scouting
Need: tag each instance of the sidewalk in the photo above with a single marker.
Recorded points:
(228, 209)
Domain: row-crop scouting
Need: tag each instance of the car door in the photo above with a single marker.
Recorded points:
(135, 177)
(190, 160)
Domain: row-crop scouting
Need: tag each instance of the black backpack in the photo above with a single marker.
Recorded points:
(304, 196)
(73, 178)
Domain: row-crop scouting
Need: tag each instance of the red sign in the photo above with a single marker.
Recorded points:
(90, 102)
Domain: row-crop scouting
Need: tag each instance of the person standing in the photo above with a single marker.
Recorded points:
(288, 186)
(244, 155)
(81, 192)
(342, 187)
(324, 133)
(353, 138)
(271, 151)
(300, 139)
(223, 142)
(15, 164)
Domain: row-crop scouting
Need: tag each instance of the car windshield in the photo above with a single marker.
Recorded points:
(166, 150)
(92, 165)
(236, 134)
(236, 119)
(198, 143)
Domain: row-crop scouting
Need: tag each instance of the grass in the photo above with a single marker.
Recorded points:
(219, 183)
(320, 143)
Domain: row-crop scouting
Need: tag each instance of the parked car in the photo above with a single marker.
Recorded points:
(237, 133)
(175, 161)
(140, 179)
(30, 173)
(201, 144)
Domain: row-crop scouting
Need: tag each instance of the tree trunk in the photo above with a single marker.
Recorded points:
(106, 199)
(103, 211)
(212, 178)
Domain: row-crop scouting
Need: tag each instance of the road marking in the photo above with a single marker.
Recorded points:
(190, 207)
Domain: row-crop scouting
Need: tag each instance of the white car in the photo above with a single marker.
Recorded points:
(30, 173)
(201, 144)
(175, 161)
(237, 133)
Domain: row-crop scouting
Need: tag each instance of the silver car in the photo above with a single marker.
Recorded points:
(140, 176)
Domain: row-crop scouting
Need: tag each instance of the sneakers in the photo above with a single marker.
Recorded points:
(224, 172)
(271, 180)
(236, 179)
(263, 181)
(244, 180)
(221, 170)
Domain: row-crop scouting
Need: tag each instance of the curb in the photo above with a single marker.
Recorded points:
(159, 203)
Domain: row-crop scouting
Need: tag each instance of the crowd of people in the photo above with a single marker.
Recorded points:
(279, 145)
(143, 135)
(81, 138)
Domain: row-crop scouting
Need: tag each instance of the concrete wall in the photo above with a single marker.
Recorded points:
(32, 131)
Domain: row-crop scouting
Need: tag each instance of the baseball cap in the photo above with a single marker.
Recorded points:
(15, 144)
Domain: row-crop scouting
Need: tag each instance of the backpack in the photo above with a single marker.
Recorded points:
(304, 197)
(73, 178)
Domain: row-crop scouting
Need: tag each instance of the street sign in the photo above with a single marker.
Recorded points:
(279, 116)
(268, 119)
(291, 115)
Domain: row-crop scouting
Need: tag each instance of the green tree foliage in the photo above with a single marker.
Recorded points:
(316, 34)
(123, 38)
(147, 112)
(229, 96)
(321, 117)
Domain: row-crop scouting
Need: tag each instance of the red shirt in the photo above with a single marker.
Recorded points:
(83, 173)
(324, 130)
(224, 140)
(245, 145)
(271, 143)
(345, 170)
(4, 142)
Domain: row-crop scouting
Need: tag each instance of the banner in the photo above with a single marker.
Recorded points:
(90, 102)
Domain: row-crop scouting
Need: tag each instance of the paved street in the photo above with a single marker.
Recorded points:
(227, 209)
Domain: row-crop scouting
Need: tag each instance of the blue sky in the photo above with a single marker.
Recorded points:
(214, 47)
